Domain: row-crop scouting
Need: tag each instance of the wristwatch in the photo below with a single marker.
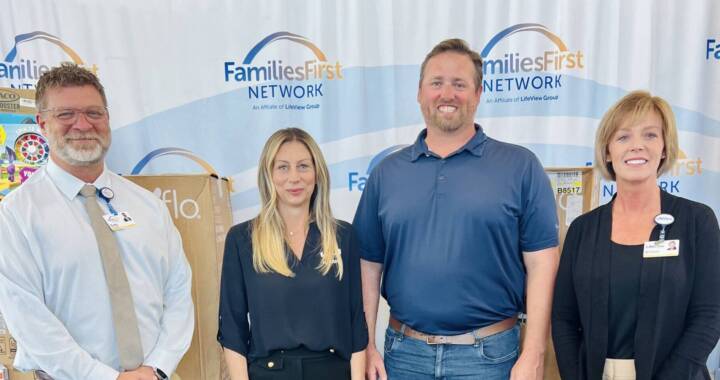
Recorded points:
(159, 374)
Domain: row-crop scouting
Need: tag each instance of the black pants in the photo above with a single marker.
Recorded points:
(300, 364)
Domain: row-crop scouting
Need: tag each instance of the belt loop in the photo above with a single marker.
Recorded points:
(402, 332)
(476, 334)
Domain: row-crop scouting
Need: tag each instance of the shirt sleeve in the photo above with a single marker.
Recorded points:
(359, 325)
(367, 221)
(178, 318)
(234, 330)
(538, 222)
(37, 330)
(566, 325)
(701, 331)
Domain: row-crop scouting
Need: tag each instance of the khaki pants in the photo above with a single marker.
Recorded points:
(619, 369)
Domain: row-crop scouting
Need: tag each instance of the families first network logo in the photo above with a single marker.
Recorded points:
(23, 72)
(295, 80)
(507, 73)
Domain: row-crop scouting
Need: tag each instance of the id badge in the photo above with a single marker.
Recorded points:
(119, 221)
(661, 248)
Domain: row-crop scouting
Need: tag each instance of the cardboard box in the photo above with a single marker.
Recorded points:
(577, 191)
(8, 349)
(17, 101)
(200, 207)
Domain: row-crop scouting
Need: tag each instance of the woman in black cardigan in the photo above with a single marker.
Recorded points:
(634, 299)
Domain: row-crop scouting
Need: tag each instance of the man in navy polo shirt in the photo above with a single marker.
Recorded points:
(459, 225)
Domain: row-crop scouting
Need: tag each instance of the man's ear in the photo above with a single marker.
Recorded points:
(39, 120)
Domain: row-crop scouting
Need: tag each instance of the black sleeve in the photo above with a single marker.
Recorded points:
(234, 330)
(702, 322)
(566, 325)
(359, 325)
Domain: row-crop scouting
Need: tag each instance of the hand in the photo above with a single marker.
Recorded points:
(374, 364)
(530, 366)
(141, 373)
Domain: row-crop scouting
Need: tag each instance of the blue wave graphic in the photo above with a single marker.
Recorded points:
(226, 132)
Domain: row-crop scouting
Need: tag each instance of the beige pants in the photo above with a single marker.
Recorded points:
(619, 369)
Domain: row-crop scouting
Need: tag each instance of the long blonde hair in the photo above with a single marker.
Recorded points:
(268, 228)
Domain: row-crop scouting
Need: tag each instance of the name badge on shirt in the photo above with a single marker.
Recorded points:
(119, 221)
(661, 248)
(335, 259)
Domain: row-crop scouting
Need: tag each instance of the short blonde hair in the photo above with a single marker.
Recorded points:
(631, 108)
(268, 228)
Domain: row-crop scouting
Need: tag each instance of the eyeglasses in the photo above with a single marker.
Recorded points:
(70, 115)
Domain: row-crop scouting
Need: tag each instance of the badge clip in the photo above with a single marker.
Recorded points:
(663, 220)
(107, 195)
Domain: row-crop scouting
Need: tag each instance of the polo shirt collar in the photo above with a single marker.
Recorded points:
(474, 146)
(70, 185)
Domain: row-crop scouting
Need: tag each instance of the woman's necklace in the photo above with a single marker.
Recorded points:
(294, 234)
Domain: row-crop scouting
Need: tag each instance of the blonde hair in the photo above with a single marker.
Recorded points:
(631, 108)
(268, 228)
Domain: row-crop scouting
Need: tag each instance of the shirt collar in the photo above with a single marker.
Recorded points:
(70, 185)
(474, 146)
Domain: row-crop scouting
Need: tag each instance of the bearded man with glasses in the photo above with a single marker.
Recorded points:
(94, 283)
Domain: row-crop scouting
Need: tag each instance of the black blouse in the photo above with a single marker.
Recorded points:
(625, 265)
(311, 310)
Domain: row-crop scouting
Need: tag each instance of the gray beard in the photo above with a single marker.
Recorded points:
(79, 157)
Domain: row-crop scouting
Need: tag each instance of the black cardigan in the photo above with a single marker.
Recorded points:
(678, 304)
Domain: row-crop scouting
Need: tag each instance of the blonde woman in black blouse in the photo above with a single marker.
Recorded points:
(293, 272)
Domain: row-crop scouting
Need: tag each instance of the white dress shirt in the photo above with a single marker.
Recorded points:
(53, 293)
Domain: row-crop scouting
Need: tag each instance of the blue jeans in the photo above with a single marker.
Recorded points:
(489, 358)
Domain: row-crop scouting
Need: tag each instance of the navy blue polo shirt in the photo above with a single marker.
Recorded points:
(451, 231)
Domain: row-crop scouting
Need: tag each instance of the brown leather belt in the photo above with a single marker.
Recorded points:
(467, 338)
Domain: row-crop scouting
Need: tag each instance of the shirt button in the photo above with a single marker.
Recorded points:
(441, 178)
(271, 364)
(332, 350)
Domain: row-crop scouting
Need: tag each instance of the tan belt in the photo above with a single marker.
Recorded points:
(467, 338)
